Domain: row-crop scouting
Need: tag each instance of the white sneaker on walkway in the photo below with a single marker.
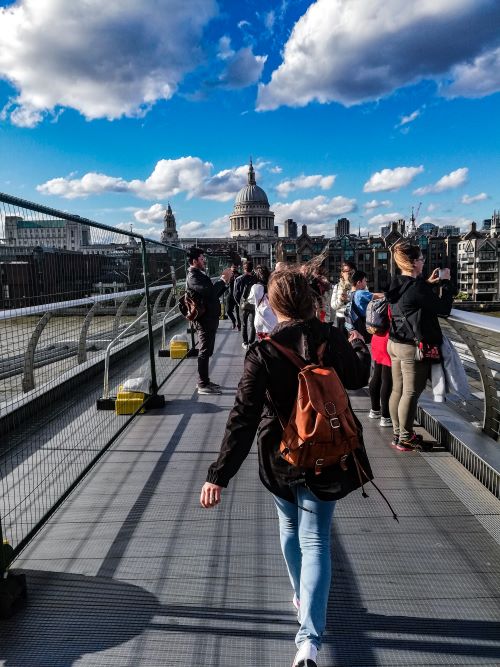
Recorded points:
(385, 421)
(244, 346)
(306, 655)
(374, 414)
(207, 390)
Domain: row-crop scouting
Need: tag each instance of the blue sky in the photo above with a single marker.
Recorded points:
(356, 108)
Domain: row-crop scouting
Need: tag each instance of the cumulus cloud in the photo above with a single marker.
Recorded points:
(106, 60)
(374, 203)
(470, 199)
(169, 177)
(384, 218)
(352, 51)
(304, 182)
(217, 228)
(452, 180)
(190, 228)
(154, 213)
(391, 179)
(458, 221)
(317, 210)
(478, 78)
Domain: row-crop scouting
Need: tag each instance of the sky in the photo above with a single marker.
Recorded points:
(349, 108)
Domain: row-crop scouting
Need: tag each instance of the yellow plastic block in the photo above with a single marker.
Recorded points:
(127, 402)
(178, 349)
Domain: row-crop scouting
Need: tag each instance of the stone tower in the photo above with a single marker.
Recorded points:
(169, 233)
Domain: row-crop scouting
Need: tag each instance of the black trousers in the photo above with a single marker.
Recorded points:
(380, 388)
(232, 310)
(206, 342)
(248, 329)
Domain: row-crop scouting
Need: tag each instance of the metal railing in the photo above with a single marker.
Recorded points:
(69, 287)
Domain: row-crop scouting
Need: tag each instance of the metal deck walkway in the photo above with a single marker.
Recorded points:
(131, 572)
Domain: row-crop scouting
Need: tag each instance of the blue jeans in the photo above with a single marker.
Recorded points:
(305, 542)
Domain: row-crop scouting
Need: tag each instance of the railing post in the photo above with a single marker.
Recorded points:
(491, 401)
(28, 380)
(12, 586)
(157, 400)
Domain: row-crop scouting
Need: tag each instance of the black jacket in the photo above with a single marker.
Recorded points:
(210, 292)
(240, 283)
(418, 301)
(266, 369)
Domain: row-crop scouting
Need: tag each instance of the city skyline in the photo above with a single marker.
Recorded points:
(359, 109)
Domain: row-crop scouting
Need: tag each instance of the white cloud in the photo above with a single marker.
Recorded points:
(374, 203)
(106, 60)
(90, 184)
(470, 199)
(408, 119)
(452, 180)
(169, 177)
(391, 179)
(384, 218)
(477, 78)
(318, 210)
(352, 51)
(154, 213)
(303, 182)
(190, 228)
(276, 170)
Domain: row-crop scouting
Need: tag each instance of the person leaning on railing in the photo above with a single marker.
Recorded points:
(415, 332)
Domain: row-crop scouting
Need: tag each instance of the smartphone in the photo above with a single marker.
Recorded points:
(442, 273)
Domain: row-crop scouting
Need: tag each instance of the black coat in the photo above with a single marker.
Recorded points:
(210, 292)
(266, 369)
(241, 282)
(418, 301)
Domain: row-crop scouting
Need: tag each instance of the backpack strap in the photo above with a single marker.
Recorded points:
(294, 357)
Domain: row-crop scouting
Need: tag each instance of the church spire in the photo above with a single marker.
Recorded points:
(251, 174)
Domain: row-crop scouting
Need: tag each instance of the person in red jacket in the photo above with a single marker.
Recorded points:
(380, 385)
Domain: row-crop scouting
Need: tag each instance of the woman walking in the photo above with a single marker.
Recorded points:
(304, 500)
(265, 320)
(414, 337)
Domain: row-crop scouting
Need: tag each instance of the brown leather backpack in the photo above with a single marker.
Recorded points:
(321, 430)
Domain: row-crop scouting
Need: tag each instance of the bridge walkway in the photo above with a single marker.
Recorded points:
(131, 572)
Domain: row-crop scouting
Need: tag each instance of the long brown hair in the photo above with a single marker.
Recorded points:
(405, 254)
(290, 294)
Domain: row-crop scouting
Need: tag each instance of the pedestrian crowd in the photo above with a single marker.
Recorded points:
(293, 322)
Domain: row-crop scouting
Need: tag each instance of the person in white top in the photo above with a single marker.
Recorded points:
(341, 294)
(265, 319)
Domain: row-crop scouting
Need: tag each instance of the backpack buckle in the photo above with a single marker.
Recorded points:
(334, 422)
(317, 466)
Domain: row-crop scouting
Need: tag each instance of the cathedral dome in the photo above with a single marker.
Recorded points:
(251, 193)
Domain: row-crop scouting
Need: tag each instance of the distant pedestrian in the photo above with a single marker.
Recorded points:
(304, 500)
(233, 309)
(359, 298)
(341, 293)
(265, 318)
(415, 337)
(242, 286)
(380, 385)
(207, 325)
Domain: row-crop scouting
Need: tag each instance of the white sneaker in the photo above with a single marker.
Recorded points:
(374, 414)
(306, 655)
(244, 346)
(385, 421)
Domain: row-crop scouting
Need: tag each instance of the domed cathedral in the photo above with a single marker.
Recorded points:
(169, 233)
(252, 223)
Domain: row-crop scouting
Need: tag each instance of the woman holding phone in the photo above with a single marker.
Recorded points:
(414, 338)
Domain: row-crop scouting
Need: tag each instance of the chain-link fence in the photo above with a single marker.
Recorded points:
(84, 311)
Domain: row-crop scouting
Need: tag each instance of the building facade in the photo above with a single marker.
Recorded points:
(62, 234)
